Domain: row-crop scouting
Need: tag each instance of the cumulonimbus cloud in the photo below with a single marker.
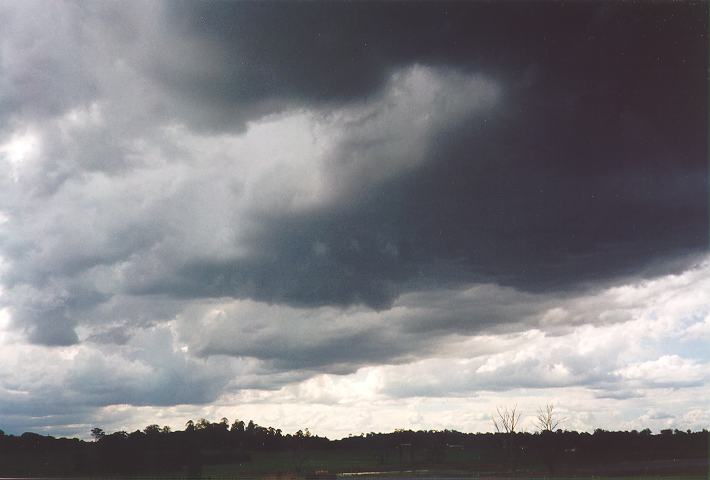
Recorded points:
(363, 190)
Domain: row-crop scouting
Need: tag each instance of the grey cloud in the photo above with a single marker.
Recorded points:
(114, 335)
(146, 370)
(533, 168)
(660, 415)
(619, 394)
(126, 236)
(43, 70)
(288, 339)
(432, 323)
(43, 314)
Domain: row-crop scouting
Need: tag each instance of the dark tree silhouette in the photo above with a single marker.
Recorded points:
(97, 433)
(548, 422)
(506, 421)
(156, 450)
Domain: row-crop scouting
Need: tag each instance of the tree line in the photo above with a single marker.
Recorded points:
(549, 451)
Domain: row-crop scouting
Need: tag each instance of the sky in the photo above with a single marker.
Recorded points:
(353, 217)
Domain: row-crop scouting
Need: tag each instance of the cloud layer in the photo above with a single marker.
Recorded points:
(203, 204)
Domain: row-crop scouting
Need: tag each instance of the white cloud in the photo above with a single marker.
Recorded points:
(21, 147)
(668, 370)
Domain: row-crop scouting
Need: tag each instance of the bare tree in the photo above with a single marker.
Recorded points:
(547, 419)
(507, 419)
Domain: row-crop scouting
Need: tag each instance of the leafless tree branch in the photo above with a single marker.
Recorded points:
(548, 419)
(507, 419)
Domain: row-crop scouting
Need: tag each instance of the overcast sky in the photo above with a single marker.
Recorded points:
(353, 217)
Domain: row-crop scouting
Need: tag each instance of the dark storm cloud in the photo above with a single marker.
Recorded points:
(472, 220)
(590, 164)
(610, 57)
(593, 166)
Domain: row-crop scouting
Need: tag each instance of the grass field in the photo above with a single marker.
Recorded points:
(297, 464)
